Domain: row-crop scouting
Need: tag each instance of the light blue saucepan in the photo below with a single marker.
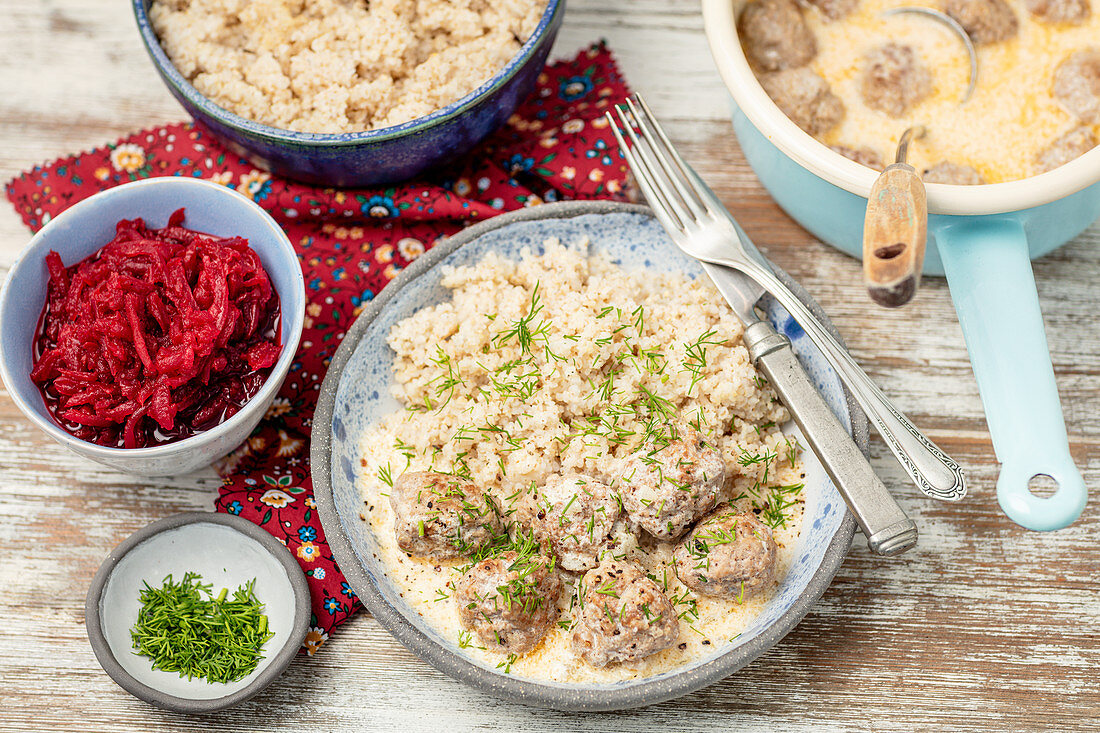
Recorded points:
(981, 237)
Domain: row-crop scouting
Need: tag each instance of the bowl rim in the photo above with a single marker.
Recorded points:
(271, 385)
(279, 662)
(418, 125)
(576, 698)
(720, 26)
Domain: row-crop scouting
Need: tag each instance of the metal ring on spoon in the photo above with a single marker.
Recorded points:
(916, 132)
(954, 25)
(895, 227)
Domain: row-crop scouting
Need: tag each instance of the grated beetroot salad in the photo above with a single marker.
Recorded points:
(161, 334)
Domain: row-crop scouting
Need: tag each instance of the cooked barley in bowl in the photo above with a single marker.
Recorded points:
(332, 66)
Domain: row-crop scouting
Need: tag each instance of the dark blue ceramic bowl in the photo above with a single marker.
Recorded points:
(377, 156)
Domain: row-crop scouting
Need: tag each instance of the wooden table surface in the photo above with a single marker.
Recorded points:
(985, 626)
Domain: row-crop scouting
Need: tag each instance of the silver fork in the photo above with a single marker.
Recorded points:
(700, 226)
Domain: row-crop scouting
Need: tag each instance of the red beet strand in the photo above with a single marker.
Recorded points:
(161, 334)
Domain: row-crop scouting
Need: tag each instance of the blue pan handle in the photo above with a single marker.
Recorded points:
(989, 271)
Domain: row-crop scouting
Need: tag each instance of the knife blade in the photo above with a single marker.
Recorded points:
(888, 529)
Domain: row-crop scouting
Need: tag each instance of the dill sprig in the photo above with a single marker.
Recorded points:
(448, 382)
(182, 627)
(780, 499)
(772, 501)
(695, 357)
(524, 330)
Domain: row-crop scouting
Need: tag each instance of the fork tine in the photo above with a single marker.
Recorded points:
(643, 152)
(662, 153)
(686, 174)
(646, 182)
(660, 198)
(715, 209)
(643, 149)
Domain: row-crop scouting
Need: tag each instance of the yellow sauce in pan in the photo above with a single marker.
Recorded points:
(1009, 119)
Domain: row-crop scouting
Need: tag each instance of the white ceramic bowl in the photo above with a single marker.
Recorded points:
(87, 226)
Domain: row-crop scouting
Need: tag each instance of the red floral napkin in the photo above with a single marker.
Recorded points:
(351, 243)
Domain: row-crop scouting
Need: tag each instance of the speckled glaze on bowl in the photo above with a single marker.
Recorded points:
(356, 393)
(384, 155)
(227, 551)
(86, 227)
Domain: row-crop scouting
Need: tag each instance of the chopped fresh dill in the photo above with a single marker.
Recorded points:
(793, 447)
(466, 640)
(780, 499)
(507, 663)
(639, 319)
(405, 450)
(447, 383)
(524, 330)
(750, 459)
(183, 627)
(695, 357)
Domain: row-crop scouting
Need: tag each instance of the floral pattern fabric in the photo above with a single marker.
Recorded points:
(351, 243)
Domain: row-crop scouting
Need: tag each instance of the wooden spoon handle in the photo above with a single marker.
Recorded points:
(894, 233)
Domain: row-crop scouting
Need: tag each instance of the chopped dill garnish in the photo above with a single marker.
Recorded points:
(750, 459)
(655, 404)
(405, 450)
(466, 640)
(793, 447)
(695, 357)
(690, 606)
(182, 627)
(524, 330)
(639, 319)
(780, 499)
(606, 589)
(447, 382)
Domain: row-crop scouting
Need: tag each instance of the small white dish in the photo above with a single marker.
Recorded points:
(226, 551)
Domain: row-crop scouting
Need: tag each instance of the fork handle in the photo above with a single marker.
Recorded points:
(934, 472)
(888, 530)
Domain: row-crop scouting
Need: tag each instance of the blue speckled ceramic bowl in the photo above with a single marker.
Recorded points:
(356, 393)
(378, 156)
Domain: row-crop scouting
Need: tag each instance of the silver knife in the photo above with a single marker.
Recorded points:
(889, 531)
